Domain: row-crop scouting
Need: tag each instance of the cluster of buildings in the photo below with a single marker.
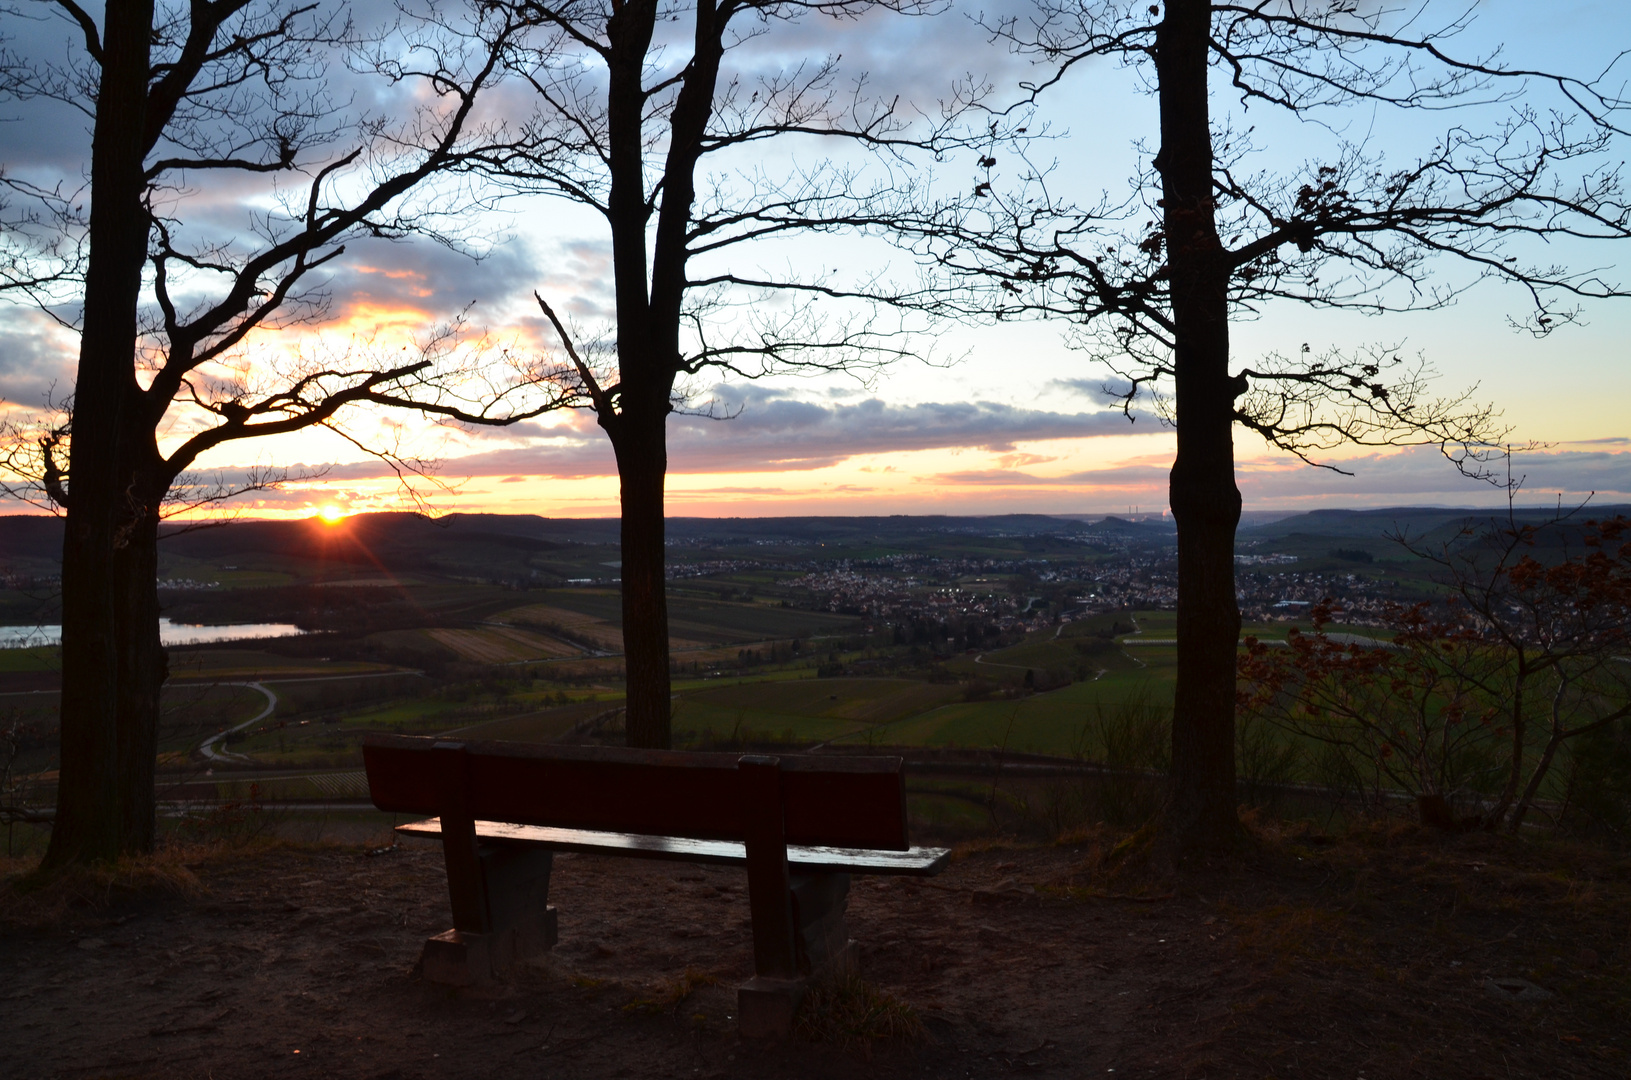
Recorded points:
(903, 590)
(1147, 582)
(1268, 597)
(25, 582)
(968, 615)
(711, 567)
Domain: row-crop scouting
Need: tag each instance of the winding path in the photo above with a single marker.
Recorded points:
(207, 747)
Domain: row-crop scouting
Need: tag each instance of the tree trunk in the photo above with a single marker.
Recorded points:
(1201, 812)
(646, 372)
(1532, 789)
(1554, 739)
(87, 820)
(143, 667)
(642, 465)
(92, 799)
(1520, 739)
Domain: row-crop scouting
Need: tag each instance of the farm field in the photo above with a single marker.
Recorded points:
(545, 725)
(194, 664)
(693, 622)
(601, 632)
(807, 708)
(41, 658)
(186, 664)
(1060, 722)
(1153, 624)
(501, 644)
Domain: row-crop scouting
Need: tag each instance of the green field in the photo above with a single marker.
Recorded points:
(1057, 722)
(810, 709)
(41, 658)
(700, 619)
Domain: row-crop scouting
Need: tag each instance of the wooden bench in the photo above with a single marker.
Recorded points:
(799, 824)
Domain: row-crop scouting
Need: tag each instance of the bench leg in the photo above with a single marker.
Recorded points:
(518, 923)
(766, 1004)
(823, 952)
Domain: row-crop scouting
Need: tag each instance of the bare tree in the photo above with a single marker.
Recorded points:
(181, 97)
(647, 126)
(1153, 283)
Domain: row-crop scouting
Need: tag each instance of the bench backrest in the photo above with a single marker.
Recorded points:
(852, 802)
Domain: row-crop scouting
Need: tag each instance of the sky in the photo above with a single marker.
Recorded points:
(996, 419)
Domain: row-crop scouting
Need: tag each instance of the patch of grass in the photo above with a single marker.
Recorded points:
(671, 993)
(853, 1015)
(986, 844)
(48, 900)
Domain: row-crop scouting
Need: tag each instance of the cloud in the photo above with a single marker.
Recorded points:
(1423, 472)
(35, 355)
(912, 57)
(1110, 390)
(776, 432)
(428, 278)
(1117, 478)
(1419, 474)
(1020, 461)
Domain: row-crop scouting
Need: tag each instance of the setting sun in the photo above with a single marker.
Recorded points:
(331, 514)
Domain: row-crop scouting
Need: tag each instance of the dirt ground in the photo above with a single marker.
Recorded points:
(1377, 956)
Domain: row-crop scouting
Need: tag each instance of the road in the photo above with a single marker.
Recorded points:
(208, 746)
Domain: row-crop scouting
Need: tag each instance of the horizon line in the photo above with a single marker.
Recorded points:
(1065, 515)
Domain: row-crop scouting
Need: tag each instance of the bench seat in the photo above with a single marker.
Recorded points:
(915, 862)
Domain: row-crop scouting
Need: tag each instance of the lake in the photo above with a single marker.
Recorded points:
(170, 633)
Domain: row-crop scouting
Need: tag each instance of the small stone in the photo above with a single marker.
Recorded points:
(1511, 988)
(516, 1017)
(1587, 958)
(91, 944)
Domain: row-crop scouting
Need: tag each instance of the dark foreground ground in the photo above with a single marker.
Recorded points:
(1371, 957)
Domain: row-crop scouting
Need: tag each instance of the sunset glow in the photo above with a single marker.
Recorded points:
(331, 515)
